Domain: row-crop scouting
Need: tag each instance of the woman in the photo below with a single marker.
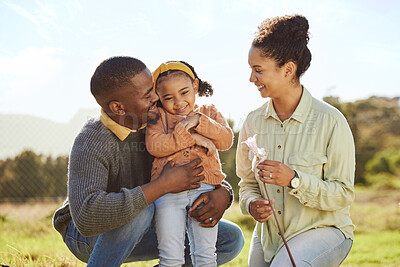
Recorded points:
(309, 170)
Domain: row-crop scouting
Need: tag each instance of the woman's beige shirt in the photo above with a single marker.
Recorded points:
(317, 142)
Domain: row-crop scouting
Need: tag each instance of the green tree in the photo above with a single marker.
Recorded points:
(28, 176)
(55, 176)
(383, 170)
(228, 162)
(375, 126)
(28, 171)
(6, 179)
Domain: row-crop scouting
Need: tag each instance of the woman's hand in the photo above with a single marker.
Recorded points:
(214, 205)
(275, 172)
(260, 209)
(191, 121)
(205, 142)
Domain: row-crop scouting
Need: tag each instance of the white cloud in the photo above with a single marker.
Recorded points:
(43, 16)
(28, 73)
(199, 15)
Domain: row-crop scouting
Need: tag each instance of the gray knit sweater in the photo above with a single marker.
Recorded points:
(104, 178)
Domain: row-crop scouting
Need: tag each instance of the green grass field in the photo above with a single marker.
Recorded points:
(28, 239)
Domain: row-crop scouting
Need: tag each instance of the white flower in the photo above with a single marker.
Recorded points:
(259, 153)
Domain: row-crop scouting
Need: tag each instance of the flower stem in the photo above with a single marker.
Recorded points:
(279, 228)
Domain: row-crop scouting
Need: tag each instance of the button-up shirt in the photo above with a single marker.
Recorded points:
(317, 143)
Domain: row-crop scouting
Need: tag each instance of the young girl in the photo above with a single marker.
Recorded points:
(183, 132)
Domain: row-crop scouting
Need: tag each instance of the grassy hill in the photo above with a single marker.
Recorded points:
(25, 132)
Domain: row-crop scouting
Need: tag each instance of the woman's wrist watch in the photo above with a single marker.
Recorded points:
(295, 182)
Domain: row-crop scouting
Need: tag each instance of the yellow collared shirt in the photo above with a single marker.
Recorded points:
(120, 131)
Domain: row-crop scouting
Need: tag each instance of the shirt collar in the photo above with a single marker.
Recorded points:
(120, 131)
(302, 109)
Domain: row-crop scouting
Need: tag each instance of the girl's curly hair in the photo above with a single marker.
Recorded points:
(205, 88)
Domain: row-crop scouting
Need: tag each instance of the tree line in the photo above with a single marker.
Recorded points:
(375, 123)
(31, 176)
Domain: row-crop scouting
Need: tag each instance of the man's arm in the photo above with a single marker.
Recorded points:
(174, 180)
(93, 209)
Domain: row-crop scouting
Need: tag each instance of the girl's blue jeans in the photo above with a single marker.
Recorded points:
(137, 241)
(325, 247)
(172, 223)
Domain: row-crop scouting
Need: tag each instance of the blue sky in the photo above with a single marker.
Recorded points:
(50, 49)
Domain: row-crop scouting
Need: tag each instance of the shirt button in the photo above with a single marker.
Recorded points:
(278, 190)
(281, 125)
(186, 153)
(295, 192)
(279, 212)
(279, 146)
(305, 203)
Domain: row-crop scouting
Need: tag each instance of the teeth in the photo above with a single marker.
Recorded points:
(181, 109)
(260, 86)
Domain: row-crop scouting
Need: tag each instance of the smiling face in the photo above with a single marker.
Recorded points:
(135, 102)
(266, 74)
(141, 102)
(177, 93)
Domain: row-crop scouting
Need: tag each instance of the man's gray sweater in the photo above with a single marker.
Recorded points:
(104, 178)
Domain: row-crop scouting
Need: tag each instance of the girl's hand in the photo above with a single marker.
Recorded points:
(191, 121)
(260, 209)
(205, 142)
(275, 172)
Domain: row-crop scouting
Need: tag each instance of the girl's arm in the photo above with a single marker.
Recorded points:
(214, 126)
(205, 142)
(161, 144)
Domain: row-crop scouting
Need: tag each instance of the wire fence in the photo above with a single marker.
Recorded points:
(34, 152)
(33, 177)
(34, 156)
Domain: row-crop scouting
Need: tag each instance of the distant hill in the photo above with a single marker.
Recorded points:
(22, 132)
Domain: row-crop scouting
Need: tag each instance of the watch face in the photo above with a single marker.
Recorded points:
(295, 182)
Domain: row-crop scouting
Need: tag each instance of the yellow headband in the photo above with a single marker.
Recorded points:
(164, 67)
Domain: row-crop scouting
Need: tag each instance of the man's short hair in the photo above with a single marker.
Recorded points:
(114, 73)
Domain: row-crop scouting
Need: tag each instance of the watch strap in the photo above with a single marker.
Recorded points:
(296, 175)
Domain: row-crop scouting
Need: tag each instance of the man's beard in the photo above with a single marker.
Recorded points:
(153, 121)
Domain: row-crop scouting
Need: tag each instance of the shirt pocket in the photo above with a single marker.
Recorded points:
(310, 163)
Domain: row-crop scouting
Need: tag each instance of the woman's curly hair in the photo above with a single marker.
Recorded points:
(285, 39)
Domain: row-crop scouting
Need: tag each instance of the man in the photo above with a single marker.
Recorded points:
(107, 218)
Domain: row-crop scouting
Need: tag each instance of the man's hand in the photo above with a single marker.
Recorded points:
(205, 142)
(260, 209)
(214, 205)
(181, 178)
(191, 121)
(174, 180)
